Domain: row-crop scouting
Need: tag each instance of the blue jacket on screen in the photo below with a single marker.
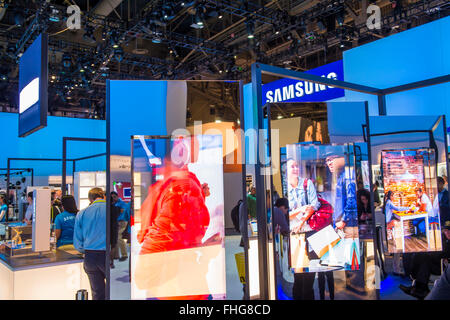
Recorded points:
(90, 227)
(125, 215)
(4, 210)
(345, 208)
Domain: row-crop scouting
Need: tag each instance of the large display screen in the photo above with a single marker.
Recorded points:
(411, 203)
(323, 215)
(33, 82)
(178, 227)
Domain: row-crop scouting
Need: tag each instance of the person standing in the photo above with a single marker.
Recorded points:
(90, 238)
(65, 222)
(122, 221)
(251, 203)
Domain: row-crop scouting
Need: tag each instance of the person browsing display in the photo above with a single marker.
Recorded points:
(302, 203)
(90, 238)
(3, 208)
(65, 222)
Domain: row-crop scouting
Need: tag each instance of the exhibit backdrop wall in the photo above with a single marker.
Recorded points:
(47, 143)
(401, 59)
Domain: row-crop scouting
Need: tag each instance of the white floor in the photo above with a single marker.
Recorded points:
(120, 281)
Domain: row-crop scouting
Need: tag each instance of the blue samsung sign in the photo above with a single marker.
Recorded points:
(290, 90)
(33, 82)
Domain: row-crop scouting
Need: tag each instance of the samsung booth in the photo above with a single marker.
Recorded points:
(374, 123)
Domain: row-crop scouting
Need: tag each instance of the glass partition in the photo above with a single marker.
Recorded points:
(335, 263)
(177, 229)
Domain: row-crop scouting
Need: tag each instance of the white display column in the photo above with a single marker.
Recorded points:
(41, 220)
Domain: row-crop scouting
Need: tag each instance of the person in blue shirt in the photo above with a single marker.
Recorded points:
(3, 208)
(65, 221)
(122, 221)
(89, 237)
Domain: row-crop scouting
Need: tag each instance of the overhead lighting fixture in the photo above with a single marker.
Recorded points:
(54, 15)
(118, 54)
(19, 19)
(250, 29)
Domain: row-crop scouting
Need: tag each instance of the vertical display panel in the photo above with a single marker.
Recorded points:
(177, 231)
(33, 87)
(323, 216)
(411, 203)
(41, 220)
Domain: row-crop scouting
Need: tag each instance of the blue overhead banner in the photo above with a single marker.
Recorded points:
(33, 82)
(290, 90)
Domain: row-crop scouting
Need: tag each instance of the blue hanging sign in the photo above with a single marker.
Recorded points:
(290, 90)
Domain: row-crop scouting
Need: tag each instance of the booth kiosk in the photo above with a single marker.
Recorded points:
(33, 271)
(257, 116)
(410, 155)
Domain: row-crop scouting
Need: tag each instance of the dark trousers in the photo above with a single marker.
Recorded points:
(425, 264)
(303, 288)
(330, 281)
(94, 266)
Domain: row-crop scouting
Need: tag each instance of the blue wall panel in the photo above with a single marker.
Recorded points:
(47, 143)
(136, 108)
(413, 55)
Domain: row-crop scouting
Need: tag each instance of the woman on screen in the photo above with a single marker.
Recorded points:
(389, 207)
(303, 202)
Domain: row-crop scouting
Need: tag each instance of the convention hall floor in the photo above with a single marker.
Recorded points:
(120, 285)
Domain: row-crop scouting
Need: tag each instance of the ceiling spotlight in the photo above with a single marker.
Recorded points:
(250, 29)
(118, 54)
(19, 19)
(104, 34)
(340, 18)
(54, 14)
(156, 39)
(198, 20)
(220, 16)
(66, 60)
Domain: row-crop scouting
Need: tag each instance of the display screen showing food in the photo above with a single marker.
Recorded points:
(178, 227)
(411, 204)
(323, 216)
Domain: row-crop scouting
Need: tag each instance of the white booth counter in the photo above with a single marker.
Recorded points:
(55, 275)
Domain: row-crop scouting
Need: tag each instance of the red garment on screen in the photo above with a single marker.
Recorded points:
(174, 215)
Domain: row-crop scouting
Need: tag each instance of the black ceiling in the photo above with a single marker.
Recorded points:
(138, 39)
